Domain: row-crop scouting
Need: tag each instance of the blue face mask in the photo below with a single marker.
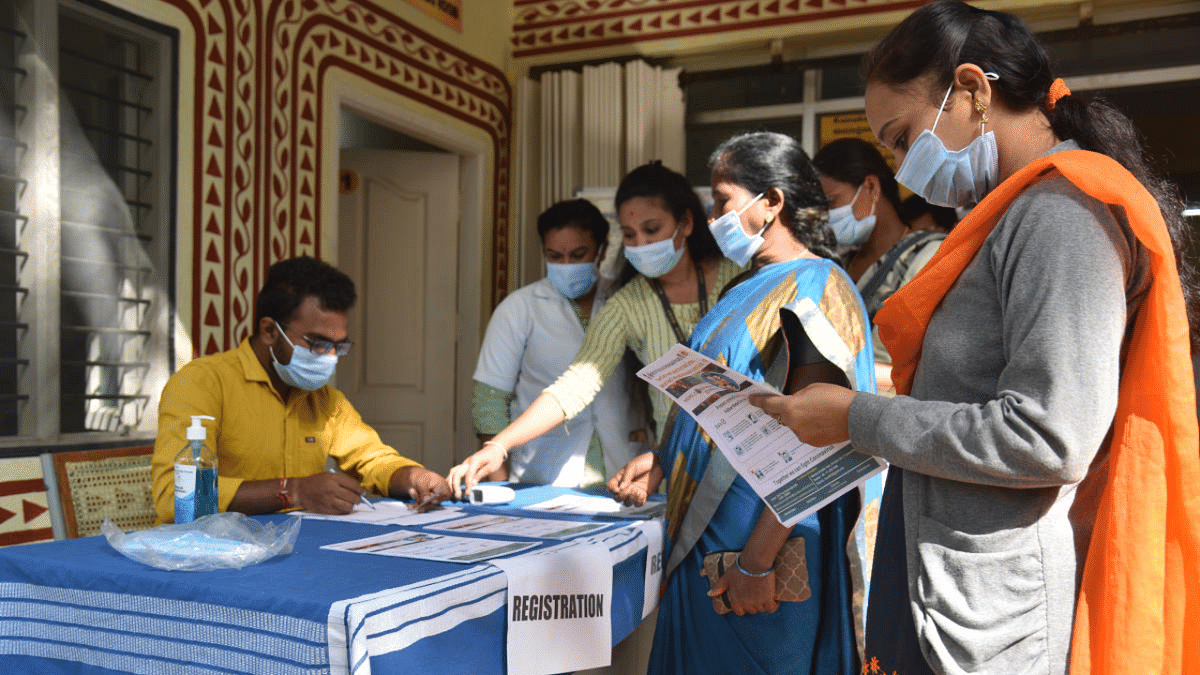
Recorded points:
(655, 259)
(951, 178)
(572, 279)
(732, 238)
(848, 229)
(306, 370)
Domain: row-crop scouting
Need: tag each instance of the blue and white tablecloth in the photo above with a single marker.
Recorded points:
(78, 606)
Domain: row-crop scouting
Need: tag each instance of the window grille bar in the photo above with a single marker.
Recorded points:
(13, 361)
(15, 325)
(121, 168)
(140, 365)
(15, 70)
(108, 263)
(105, 296)
(107, 397)
(10, 288)
(110, 99)
(106, 230)
(12, 30)
(133, 332)
(14, 397)
(116, 68)
(112, 133)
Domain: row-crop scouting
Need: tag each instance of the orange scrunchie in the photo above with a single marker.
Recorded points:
(1058, 89)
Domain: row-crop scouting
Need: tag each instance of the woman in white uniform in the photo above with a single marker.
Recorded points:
(531, 339)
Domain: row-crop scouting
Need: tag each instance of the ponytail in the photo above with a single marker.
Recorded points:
(943, 34)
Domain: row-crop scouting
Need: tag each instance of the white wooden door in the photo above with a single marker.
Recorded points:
(398, 241)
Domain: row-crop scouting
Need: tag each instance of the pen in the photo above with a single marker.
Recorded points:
(432, 497)
(362, 497)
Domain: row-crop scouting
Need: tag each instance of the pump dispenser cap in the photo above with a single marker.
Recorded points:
(197, 432)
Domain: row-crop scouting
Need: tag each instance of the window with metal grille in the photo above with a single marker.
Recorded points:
(86, 206)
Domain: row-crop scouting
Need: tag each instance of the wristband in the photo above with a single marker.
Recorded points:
(285, 500)
(743, 570)
(498, 445)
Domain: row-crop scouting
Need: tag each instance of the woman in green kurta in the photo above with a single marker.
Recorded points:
(681, 273)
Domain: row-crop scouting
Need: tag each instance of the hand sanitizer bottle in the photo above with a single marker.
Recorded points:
(195, 475)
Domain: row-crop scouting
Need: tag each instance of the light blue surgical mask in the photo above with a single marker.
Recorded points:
(951, 178)
(732, 238)
(655, 259)
(848, 229)
(572, 279)
(306, 370)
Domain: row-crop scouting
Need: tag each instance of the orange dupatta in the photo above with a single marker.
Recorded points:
(1138, 610)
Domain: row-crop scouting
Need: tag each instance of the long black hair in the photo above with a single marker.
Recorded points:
(944, 34)
(655, 181)
(851, 160)
(761, 160)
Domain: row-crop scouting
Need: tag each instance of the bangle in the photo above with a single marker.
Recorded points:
(498, 445)
(285, 500)
(743, 570)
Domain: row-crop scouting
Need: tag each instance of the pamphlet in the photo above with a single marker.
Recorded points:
(431, 546)
(595, 505)
(793, 478)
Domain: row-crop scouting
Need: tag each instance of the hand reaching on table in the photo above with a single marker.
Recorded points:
(475, 468)
(326, 492)
(637, 480)
(418, 483)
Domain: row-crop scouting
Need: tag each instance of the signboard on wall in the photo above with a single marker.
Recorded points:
(850, 125)
(448, 12)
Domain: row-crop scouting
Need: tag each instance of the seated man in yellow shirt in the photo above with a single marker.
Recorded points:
(276, 421)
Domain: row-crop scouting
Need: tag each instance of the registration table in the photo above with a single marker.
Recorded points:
(79, 606)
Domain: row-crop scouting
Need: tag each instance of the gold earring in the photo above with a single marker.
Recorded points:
(982, 109)
(767, 221)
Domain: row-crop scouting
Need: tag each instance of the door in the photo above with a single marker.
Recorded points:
(398, 241)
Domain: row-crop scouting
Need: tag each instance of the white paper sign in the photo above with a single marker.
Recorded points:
(559, 610)
(793, 478)
(655, 532)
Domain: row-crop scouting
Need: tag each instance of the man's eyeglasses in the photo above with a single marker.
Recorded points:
(323, 346)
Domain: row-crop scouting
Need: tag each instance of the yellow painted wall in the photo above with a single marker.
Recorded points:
(257, 144)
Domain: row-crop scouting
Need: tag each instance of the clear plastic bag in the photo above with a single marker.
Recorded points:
(220, 541)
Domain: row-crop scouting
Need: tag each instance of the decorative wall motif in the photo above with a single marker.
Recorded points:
(258, 84)
(552, 26)
(24, 510)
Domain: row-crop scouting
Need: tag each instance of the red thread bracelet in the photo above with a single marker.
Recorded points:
(284, 498)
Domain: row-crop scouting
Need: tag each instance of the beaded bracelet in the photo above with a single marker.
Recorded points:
(498, 445)
(743, 570)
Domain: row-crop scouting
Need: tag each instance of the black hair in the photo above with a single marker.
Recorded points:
(915, 206)
(290, 281)
(761, 160)
(578, 213)
(851, 160)
(655, 181)
(944, 34)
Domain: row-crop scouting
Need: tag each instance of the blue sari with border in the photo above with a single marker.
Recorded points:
(819, 635)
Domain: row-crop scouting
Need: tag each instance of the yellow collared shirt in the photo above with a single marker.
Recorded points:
(257, 435)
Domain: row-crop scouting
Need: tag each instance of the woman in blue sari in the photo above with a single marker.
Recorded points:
(794, 318)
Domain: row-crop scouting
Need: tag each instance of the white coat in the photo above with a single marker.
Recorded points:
(531, 338)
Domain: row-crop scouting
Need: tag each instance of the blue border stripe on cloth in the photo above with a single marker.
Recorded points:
(154, 630)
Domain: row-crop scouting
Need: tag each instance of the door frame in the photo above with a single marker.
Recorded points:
(474, 150)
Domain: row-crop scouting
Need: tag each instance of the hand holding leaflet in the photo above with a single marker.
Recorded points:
(793, 478)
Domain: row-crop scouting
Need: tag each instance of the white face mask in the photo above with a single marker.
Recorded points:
(732, 238)
(951, 178)
(655, 259)
(306, 370)
(572, 279)
(848, 229)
